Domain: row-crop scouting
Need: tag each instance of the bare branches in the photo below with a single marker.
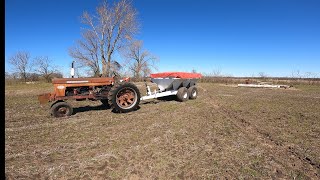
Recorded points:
(45, 67)
(110, 27)
(21, 62)
(41, 66)
(139, 61)
(86, 53)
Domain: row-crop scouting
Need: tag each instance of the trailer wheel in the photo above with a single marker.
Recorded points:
(193, 92)
(61, 109)
(182, 94)
(124, 97)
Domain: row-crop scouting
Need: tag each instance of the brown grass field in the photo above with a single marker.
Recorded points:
(226, 133)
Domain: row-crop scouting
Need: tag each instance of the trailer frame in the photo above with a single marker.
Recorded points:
(172, 83)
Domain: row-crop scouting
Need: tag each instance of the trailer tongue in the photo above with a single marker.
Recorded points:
(181, 84)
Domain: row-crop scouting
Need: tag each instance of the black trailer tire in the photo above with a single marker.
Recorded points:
(193, 92)
(182, 94)
(124, 97)
(61, 109)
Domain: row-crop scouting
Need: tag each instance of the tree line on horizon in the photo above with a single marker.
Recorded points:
(26, 68)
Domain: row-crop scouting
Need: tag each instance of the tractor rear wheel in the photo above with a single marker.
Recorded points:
(193, 92)
(124, 97)
(61, 109)
(182, 94)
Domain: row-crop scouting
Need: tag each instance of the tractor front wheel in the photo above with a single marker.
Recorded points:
(124, 97)
(61, 109)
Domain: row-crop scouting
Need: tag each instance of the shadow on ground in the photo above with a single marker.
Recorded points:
(89, 108)
(158, 100)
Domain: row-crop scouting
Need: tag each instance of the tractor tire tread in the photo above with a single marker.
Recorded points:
(112, 96)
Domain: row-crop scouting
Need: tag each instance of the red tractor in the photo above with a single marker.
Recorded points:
(121, 95)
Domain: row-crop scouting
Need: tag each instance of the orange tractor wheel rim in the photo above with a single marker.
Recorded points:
(126, 98)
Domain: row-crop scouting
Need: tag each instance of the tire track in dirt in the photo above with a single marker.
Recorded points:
(251, 130)
(284, 154)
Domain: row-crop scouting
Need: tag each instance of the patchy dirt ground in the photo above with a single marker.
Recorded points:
(227, 132)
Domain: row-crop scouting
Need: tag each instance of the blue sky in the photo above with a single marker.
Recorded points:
(238, 38)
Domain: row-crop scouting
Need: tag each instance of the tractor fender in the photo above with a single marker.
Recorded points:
(55, 102)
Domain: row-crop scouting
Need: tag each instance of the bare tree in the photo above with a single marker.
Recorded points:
(87, 54)
(43, 65)
(109, 29)
(216, 72)
(296, 74)
(139, 61)
(21, 63)
(308, 75)
(263, 75)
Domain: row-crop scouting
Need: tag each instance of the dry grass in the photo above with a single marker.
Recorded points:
(227, 132)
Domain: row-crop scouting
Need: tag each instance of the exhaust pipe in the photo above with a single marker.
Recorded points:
(72, 69)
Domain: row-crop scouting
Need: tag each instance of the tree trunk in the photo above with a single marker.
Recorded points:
(24, 75)
(97, 73)
(104, 66)
(109, 65)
